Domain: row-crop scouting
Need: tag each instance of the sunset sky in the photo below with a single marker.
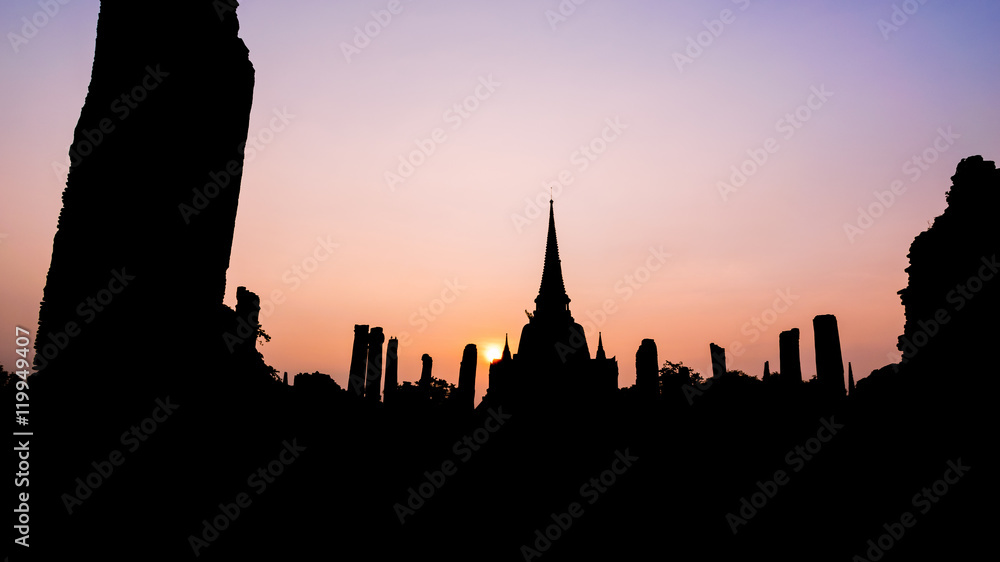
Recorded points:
(640, 115)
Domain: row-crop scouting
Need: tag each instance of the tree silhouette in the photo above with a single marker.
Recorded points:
(439, 391)
(261, 334)
(317, 375)
(679, 372)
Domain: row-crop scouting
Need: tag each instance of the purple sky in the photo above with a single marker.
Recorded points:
(639, 114)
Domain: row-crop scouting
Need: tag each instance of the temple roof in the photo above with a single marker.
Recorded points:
(552, 292)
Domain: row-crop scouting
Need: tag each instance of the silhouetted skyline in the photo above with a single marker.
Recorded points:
(322, 127)
(159, 415)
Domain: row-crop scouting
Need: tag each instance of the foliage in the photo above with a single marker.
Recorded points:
(439, 390)
(317, 374)
(262, 334)
(671, 370)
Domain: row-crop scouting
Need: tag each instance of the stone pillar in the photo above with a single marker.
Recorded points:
(375, 340)
(467, 378)
(391, 370)
(356, 380)
(425, 371)
(718, 361)
(829, 361)
(130, 227)
(767, 372)
(788, 354)
(647, 369)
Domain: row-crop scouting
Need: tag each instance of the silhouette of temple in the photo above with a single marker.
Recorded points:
(131, 266)
(553, 359)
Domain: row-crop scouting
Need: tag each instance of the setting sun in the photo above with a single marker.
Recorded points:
(493, 353)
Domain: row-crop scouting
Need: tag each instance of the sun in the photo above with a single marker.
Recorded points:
(493, 352)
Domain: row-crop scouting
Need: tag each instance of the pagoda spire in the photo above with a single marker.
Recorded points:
(552, 292)
(506, 349)
(600, 348)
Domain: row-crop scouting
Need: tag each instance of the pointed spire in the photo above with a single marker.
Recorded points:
(600, 347)
(850, 379)
(506, 349)
(552, 292)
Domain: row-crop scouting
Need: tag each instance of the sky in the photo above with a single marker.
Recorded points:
(721, 171)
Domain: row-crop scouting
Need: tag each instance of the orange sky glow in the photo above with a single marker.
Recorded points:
(779, 173)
